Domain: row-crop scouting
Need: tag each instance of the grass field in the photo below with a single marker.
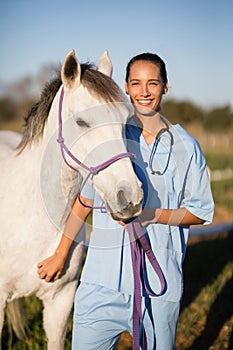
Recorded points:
(206, 318)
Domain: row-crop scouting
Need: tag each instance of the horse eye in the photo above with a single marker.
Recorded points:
(82, 123)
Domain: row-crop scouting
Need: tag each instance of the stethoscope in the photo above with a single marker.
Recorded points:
(155, 146)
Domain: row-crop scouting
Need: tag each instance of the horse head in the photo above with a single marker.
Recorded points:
(95, 111)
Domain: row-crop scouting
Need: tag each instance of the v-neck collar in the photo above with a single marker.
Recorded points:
(149, 145)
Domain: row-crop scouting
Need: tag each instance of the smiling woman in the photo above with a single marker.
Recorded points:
(146, 84)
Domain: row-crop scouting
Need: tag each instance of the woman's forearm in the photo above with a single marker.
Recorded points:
(177, 217)
(173, 217)
(73, 225)
(72, 228)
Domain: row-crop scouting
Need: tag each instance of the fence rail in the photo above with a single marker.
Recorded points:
(205, 230)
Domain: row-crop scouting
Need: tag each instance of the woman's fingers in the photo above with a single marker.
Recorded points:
(50, 269)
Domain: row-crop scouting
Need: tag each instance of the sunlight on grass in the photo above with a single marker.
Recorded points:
(222, 341)
(206, 321)
(193, 318)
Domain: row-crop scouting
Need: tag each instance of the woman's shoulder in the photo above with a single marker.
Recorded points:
(183, 137)
(183, 134)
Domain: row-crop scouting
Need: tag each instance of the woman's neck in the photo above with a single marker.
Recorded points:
(150, 125)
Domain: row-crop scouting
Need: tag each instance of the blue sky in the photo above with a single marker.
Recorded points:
(194, 37)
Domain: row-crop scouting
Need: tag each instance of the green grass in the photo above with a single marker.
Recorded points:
(201, 321)
(222, 190)
(219, 161)
(206, 318)
(223, 193)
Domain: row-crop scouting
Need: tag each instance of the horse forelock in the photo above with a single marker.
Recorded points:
(97, 83)
(101, 85)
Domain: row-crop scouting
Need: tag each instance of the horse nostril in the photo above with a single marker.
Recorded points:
(122, 199)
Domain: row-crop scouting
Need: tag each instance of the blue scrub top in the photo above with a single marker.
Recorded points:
(185, 183)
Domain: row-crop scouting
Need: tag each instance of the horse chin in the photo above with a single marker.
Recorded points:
(127, 213)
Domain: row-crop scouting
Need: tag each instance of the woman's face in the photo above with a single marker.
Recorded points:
(145, 87)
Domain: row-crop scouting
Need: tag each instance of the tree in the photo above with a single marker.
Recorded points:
(219, 119)
(182, 112)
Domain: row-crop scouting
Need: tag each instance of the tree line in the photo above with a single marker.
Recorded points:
(15, 104)
(217, 119)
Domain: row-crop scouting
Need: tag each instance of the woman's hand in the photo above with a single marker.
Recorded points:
(146, 217)
(51, 268)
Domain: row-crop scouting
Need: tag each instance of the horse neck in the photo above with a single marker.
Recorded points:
(59, 186)
(55, 184)
(59, 183)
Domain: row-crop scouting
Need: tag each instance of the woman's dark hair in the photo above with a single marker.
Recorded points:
(150, 57)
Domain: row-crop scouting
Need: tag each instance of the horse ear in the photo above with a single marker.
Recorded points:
(71, 71)
(104, 64)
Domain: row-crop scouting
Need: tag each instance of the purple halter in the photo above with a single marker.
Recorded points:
(92, 170)
(139, 244)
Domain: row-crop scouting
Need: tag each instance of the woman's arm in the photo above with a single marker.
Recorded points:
(51, 268)
(173, 217)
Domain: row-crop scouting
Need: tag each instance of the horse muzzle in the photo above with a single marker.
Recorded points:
(126, 208)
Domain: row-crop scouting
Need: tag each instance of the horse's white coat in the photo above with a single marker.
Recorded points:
(37, 190)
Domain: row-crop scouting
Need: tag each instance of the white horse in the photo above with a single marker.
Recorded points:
(37, 188)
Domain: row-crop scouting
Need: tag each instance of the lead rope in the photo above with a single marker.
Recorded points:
(139, 246)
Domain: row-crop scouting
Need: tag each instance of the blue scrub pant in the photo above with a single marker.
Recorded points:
(101, 315)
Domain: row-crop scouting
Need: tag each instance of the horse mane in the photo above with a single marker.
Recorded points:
(96, 83)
